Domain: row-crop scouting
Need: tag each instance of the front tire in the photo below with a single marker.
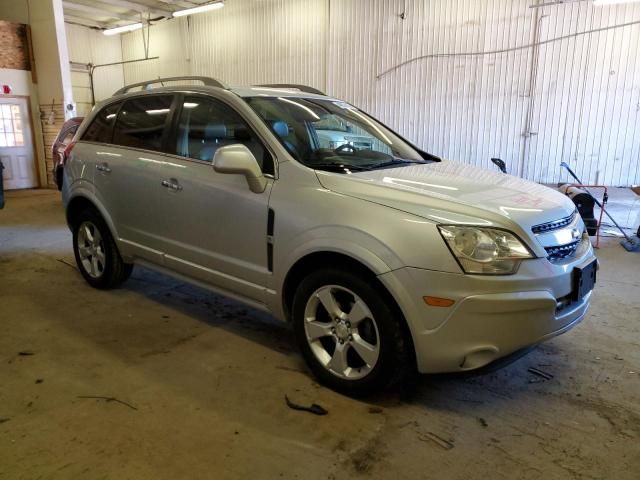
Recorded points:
(96, 253)
(350, 333)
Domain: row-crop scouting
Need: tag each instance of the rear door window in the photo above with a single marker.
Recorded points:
(142, 122)
(101, 129)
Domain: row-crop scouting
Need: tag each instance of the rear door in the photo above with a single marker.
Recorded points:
(136, 168)
(128, 172)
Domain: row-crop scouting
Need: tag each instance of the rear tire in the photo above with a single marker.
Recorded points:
(96, 253)
(351, 335)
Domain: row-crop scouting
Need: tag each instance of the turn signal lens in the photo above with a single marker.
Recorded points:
(438, 302)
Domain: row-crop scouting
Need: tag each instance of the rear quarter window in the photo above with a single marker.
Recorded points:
(101, 128)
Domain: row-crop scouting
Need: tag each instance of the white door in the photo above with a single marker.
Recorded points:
(16, 147)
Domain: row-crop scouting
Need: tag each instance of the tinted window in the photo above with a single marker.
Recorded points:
(206, 125)
(101, 128)
(333, 135)
(142, 121)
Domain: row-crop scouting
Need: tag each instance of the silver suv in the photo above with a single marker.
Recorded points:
(385, 259)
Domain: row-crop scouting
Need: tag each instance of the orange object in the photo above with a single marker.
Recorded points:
(438, 302)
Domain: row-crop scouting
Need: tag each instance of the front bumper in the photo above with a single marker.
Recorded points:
(492, 316)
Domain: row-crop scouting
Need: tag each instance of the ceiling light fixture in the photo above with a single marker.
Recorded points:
(600, 3)
(200, 9)
(125, 28)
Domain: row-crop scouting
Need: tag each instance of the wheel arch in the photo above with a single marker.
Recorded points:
(316, 260)
(82, 201)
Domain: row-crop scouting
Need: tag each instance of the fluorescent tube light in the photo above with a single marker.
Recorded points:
(600, 3)
(311, 112)
(159, 111)
(126, 28)
(200, 9)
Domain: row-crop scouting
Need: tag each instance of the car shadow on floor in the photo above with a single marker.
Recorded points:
(215, 310)
(165, 330)
(501, 380)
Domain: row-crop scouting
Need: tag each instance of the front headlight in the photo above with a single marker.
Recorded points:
(487, 251)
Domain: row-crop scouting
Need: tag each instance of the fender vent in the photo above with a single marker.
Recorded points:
(271, 220)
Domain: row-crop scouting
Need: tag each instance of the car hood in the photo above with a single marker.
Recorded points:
(453, 192)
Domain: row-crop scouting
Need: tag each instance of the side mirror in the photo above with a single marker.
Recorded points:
(500, 164)
(238, 159)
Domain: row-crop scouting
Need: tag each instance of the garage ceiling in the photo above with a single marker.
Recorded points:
(112, 13)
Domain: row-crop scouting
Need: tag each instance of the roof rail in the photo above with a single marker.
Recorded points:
(208, 81)
(302, 88)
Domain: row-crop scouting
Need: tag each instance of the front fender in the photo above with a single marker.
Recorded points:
(354, 243)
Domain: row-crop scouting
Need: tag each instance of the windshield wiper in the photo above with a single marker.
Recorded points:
(396, 162)
(338, 167)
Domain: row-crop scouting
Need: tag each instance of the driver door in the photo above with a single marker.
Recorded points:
(216, 226)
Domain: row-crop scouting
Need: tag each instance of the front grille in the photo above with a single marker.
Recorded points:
(563, 251)
(555, 225)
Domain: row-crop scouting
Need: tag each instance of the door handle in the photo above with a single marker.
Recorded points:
(172, 184)
(103, 167)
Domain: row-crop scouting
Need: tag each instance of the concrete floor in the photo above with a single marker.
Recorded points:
(201, 382)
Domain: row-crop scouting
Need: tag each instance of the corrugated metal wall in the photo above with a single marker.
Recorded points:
(90, 46)
(470, 89)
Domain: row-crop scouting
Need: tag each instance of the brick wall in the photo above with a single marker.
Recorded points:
(14, 50)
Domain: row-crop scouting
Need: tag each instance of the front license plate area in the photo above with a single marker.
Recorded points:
(584, 280)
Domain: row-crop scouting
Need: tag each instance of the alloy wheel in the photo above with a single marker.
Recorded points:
(342, 332)
(91, 249)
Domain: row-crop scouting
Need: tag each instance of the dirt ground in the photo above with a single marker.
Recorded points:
(161, 380)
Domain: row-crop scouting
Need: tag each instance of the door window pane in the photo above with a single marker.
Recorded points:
(11, 126)
(17, 118)
(101, 128)
(142, 122)
(206, 125)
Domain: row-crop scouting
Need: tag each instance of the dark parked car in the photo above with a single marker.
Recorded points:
(64, 138)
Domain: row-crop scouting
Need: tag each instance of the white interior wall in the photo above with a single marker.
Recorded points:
(575, 99)
(86, 46)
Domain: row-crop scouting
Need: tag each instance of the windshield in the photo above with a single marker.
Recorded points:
(333, 135)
